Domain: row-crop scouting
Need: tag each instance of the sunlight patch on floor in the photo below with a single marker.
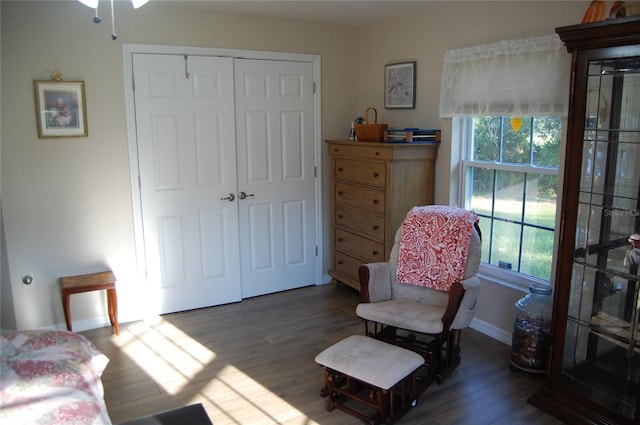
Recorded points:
(174, 360)
(234, 397)
(179, 359)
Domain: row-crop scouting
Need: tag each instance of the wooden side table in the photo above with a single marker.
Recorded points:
(91, 282)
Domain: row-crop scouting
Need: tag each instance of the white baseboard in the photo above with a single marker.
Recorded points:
(85, 324)
(491, 331)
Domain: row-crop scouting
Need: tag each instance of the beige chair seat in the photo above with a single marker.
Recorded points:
(404, 314)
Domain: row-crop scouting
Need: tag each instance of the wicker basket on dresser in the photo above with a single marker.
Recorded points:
(373, 185)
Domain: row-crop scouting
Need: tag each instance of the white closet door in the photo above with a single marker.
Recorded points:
(274, 121)
(187, 163)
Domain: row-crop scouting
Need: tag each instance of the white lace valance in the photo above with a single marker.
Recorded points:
(523, 77)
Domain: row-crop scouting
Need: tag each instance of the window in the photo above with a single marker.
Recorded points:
(507, 100)
(510, 179)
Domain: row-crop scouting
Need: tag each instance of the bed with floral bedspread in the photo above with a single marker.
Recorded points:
(51, 377)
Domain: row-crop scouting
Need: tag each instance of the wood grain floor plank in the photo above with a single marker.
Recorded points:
(253, 363)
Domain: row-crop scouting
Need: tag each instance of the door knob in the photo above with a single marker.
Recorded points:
(230, 197)
(243, 195)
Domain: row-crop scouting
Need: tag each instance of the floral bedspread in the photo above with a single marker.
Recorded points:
(434, 246)
(51, 377)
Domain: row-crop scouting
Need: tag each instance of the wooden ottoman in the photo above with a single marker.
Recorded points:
(377, 378)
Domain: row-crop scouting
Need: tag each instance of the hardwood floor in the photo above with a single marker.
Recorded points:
(253, 363)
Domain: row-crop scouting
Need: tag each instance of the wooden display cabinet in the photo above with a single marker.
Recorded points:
(594, 368)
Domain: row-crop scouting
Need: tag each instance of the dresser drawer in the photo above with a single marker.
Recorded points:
(369, 173)
(362, 223)
(347, 265)
(360, 197)
(359, 151)
(352, 244)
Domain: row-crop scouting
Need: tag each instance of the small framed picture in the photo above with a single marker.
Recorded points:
(61, 109)
(400, 85)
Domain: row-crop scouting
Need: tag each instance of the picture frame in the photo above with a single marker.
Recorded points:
(400, 85)
(61, 109)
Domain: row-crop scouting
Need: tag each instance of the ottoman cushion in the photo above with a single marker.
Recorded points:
(369, 360)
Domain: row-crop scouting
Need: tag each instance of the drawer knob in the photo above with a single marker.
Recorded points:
(375, 174)
(340, 193)
(340, 240)
(377, 153)
(339, 169)
(375, 202)
(374, 252)
(340, 263)
(340, 216)
(375, 227)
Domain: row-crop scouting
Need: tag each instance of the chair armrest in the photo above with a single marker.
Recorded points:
(468, 303)
(375, 282)
(456, 293)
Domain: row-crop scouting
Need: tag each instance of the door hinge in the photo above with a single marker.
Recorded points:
(315, 171)
(314, 87)
(316, 250)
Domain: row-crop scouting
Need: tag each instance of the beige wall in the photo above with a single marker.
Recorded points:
(7, 316)
(67, 203)
(424, 38)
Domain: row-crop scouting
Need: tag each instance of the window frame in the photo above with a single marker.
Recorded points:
(505, 277)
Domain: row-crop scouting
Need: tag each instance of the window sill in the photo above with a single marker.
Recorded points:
(508, 279)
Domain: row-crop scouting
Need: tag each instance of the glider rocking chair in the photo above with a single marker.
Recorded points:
(425, 320)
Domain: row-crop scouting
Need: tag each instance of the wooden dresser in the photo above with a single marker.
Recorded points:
(373, 186)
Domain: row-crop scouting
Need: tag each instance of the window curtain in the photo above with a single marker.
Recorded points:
(522, 77)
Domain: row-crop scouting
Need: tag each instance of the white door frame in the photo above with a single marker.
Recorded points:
(127, 59)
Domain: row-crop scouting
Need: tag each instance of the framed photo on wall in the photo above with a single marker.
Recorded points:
(400, 85)
(61, 109)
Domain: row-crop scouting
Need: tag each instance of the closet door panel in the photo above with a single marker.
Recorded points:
(258, 149)
(274, 110)
(185, 132)
(292, 146)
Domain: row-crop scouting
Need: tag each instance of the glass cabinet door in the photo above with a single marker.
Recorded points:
(601, 358)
